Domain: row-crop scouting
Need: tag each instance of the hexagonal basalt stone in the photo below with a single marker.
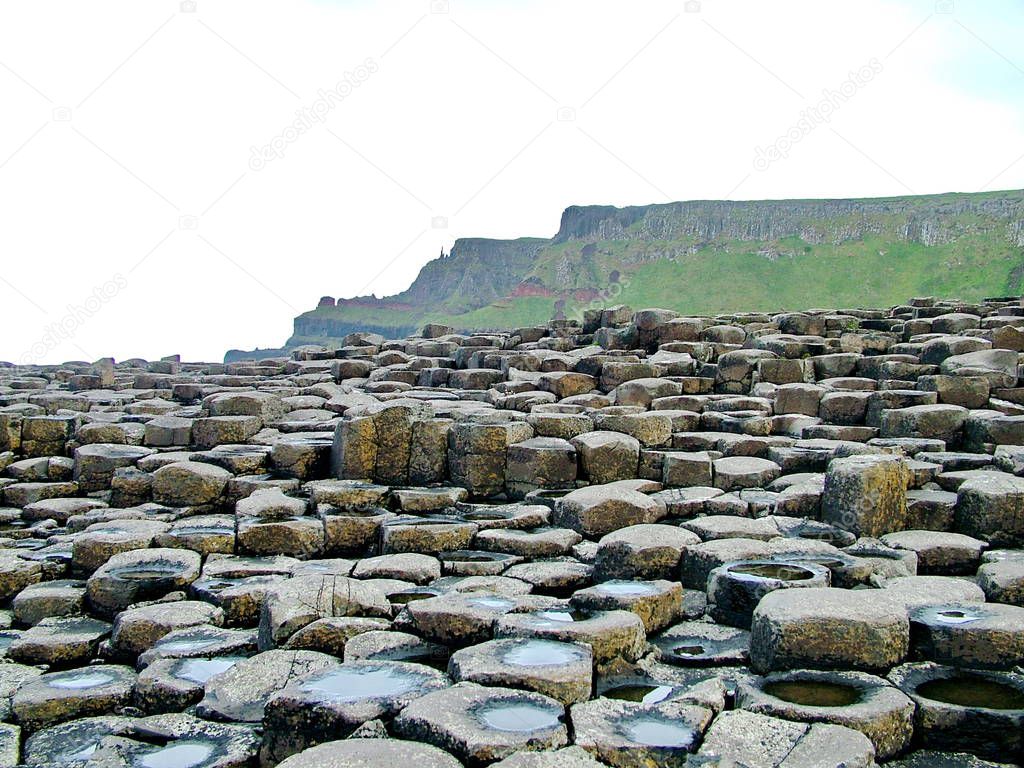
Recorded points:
(866, 494)
(331, 703)
(386, 645)
(353, 531)
(657, 603)
(734, 472)
(698, 644)
(371, 753)
(241, 598)
(979, 635)
(552, 577)
(991, 507)
(480, 725)
(827, 628)
(241, 692)
(611, 634)
(556, 669)
(49, 599)
(605, 456)
(426, 535)
(101, 541)
(600, 509)
(530, 542)
(201, 640)
(646, 551)
(929, 421)
(138, 629)
(462, 619)
(177, 740)
(59, 696)
(189, 483)
(468, 562)
(920, 591)
(740, 737)
(301, 600)
(540, 462)
(1003, 580)
(735, 589)
(946, 554)
(629, 735)
(856, 700)
(95, 464)
(13, 677)
(204, 534)
(171, 685)
(332, 634)
(974, 711)
(130, 577)
(408, 566)
(299, 536)
(60, 641)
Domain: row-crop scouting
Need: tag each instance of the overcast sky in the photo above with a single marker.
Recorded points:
(187, 177)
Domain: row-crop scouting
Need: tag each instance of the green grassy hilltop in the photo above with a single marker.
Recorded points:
(707, 257)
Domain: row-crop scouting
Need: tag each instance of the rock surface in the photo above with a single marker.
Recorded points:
(567, 544)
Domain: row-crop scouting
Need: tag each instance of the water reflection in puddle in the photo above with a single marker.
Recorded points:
(79, 680)
(814, 693)
(362, 683)
(625, 589)
(653, 732)
(540, 653)
(518, 717)
(970, 691)
(201, 670)
(639, 693)
(180, 754)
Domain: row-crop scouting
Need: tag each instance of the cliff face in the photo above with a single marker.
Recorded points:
(475, 273)
(705, 256)
(929, 219)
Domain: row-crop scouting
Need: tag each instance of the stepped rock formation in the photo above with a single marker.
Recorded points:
(641, 538)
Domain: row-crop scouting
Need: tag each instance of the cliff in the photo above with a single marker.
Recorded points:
(706, 256)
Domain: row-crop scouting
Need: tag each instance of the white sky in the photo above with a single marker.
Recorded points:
(128, 130)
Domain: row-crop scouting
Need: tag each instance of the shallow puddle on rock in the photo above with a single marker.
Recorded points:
(625, 589)
(972, 692)
(654, 732)
(362, 683)
(780, 571)
(954, 616)
(550, 618)
(193, 642)
(75, 680)
(813, 693)
(498, 603)
(540, 653)
(180, 754)
(518, 717)
(201, 670)
(146, 573)
(639, 692)
(217, 585)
